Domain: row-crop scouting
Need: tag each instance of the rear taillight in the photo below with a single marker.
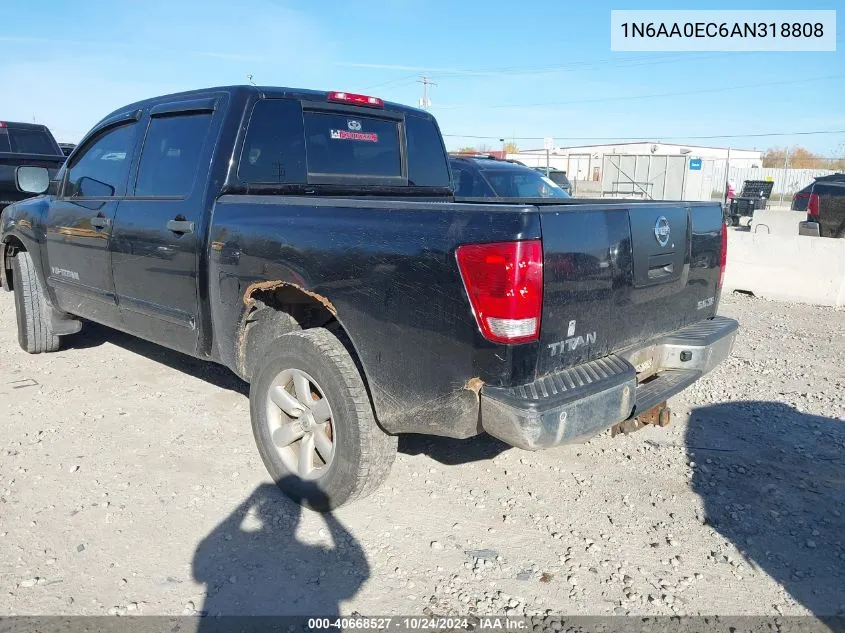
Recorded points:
(813, 206)
(723, 256)
(2, 124)
(355, 99)
(504, 282)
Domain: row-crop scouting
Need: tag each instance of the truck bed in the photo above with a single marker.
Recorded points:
(388, 269)
(9, 162)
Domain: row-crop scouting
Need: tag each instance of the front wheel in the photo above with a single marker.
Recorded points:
(35, 328)
(314, 424)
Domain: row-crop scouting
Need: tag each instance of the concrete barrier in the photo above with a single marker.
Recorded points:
(777, 221)
(788, 268)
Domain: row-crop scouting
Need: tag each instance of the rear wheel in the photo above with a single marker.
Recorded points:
(313, 422)
(35, 331)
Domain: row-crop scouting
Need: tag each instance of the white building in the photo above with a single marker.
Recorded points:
(585, 162)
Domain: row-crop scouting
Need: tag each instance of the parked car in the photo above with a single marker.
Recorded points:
(24, 144)
(488, 177)
(311, 242)
(824, 202)
(558, 176)
(67, 148)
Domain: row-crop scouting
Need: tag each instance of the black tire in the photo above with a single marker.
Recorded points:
(35, 332)
(363, 453)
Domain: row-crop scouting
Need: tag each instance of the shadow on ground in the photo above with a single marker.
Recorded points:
(775, 488)
(252, 564)
(445, 450)
(94, 335)
(452, 452)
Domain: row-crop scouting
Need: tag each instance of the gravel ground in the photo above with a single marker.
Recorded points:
(129, 484)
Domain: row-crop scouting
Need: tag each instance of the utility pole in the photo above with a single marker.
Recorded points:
(785, 167)
(249, 77)
(425, 102)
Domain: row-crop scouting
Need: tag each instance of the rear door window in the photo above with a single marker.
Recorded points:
(352, 145)
(171, 154)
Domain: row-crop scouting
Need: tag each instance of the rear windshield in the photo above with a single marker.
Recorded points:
(286, 145)
(31, 142)
(559, 177)
(427, 162)
(352, 145)
(523, 184)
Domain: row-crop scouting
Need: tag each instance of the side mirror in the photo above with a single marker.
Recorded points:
(93, 188)
(32, 179)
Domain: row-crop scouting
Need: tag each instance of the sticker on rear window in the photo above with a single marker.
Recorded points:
(346, 135)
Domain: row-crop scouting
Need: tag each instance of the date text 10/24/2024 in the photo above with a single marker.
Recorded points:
(418, 624)
(727, 31)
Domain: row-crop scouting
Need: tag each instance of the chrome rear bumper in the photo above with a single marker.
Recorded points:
(577, 403)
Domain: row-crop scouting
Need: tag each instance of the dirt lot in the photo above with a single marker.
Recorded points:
(129, 484)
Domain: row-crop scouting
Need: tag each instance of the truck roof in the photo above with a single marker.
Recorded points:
(488, 163)
(838, 177)
(299, 93)
(19, 125)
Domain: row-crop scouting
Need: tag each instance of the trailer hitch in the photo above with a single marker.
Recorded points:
(658, 415)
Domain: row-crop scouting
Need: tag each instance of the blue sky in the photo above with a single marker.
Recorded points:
(503, 69)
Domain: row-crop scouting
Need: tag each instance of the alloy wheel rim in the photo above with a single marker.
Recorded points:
(299, 421)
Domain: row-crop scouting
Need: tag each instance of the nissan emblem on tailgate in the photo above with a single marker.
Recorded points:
(661, 231)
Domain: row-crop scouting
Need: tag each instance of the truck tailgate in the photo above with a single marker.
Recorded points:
(10, 162)
(618, 275)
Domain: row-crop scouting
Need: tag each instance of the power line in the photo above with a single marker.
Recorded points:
(648, 96)
(647, 138)
(577, 65)
(531, 70)
(404, 80)
(639, 60)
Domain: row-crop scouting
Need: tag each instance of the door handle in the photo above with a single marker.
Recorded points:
(180, 226)
(100, 222)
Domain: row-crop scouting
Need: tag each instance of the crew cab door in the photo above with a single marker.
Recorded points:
(157, 238)
(80, 221)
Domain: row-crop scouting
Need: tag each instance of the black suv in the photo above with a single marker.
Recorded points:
(824, 202)
(558, 176)
(482, 176)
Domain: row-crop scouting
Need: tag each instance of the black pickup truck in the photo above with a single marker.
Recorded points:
(311, 242)
(824, 202)
(24, 144)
